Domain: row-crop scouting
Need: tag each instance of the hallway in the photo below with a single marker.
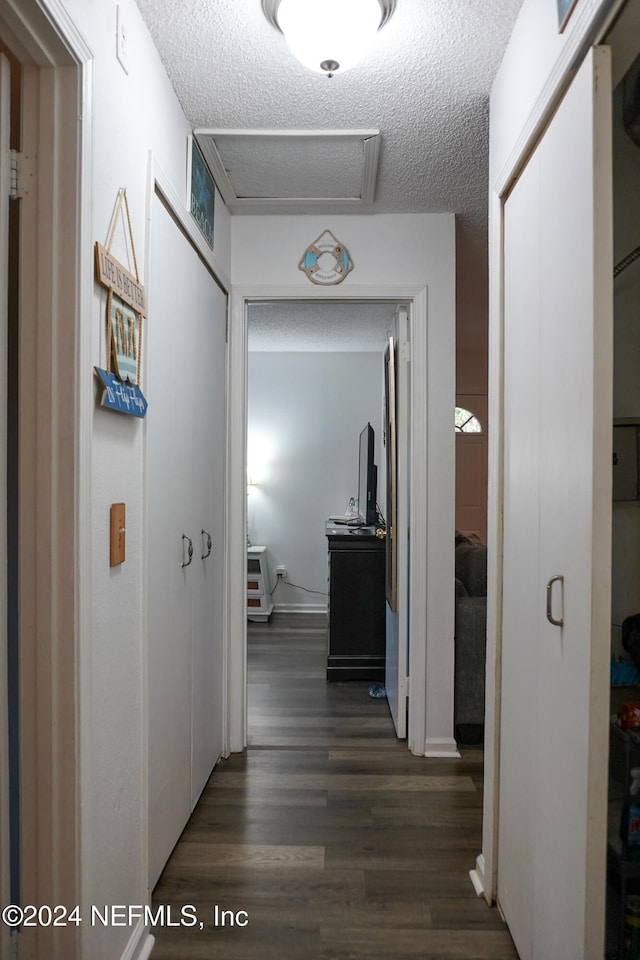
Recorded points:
(336, 842)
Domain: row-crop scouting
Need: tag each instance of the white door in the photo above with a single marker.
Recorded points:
(185, 429)
(557, 509)
(397, 649)
(207, 569)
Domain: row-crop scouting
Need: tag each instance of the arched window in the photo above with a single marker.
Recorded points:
(466, 422)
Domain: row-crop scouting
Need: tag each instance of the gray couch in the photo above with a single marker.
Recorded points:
(470, 639)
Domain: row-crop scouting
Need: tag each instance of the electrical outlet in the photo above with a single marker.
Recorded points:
(281, 572)
(122, 41)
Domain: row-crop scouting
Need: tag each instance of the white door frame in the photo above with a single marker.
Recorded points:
(431, 702)
(589, 24)
(55, 429)
(5, 870)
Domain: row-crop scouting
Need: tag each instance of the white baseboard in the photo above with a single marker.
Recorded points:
(447, 747)
(300, 608)
(140, 945)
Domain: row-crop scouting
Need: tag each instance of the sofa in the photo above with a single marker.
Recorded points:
(470, 639)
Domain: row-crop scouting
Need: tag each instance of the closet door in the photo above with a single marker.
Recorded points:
(207, 569)
(185, 426)
(557, 503)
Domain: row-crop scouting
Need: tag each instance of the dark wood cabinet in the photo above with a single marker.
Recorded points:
(357, 615)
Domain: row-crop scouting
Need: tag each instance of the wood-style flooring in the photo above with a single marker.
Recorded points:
(326, 839)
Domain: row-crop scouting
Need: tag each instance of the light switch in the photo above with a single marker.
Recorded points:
(118, 533)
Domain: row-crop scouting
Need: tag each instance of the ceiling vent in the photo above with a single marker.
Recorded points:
(293, 171)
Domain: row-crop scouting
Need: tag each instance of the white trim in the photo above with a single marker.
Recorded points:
(55, 432)
(370, 139)
(425, 561)
(445, 747)
(495, 471)
(180, 212)
(586, 27)
(5, 91)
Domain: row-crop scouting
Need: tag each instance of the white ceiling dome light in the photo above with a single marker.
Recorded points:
(331, 36)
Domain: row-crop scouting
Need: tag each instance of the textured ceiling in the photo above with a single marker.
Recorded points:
(319, 327)
(425, 86)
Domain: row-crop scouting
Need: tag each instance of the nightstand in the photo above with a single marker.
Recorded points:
(259, 602)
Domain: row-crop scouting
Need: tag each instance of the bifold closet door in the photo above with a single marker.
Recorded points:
(208, 421)
(185, 424)
(557, 531)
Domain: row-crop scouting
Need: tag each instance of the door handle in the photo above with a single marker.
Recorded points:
(185, 563)
(557, 622)
(206, 544)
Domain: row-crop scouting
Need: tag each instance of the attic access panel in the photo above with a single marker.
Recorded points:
(283, 171)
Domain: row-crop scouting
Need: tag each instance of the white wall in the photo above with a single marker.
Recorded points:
(130, 116)
(305, 413)
(411, 252)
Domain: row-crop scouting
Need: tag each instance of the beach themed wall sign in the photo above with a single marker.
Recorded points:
(326, 261)
(126, 308)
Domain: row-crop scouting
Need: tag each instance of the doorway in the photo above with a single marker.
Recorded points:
(49, 297)
(315, 379)
(425, 514)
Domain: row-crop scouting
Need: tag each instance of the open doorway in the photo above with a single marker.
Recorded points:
(315, 378)
(429, 732)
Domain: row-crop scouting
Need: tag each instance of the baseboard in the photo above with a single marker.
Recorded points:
(477, 876)
(446, 747)
(140, 945)
(300, 608)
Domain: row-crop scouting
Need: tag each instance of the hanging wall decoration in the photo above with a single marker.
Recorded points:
(565, 9)
(326, 261)
(202, 191)
(126, 308)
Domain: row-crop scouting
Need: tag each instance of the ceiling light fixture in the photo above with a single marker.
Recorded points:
(332, 36)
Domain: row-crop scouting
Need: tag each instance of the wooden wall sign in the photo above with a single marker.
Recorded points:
(126, 307)
(112, 274)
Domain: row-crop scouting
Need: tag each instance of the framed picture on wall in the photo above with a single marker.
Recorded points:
(565, 9)
(202, 190)
(124, 336)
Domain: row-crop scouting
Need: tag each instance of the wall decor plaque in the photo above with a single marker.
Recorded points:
(326, 261)
(126, 308)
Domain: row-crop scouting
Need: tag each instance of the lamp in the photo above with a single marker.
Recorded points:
(332, 35)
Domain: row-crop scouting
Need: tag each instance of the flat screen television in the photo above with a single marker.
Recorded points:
(367, 477)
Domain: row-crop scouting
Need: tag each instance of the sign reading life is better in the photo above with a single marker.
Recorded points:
(112, 274)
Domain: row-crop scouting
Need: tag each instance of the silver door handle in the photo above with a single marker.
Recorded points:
(550, 617)
(206, 544)
(185, 563)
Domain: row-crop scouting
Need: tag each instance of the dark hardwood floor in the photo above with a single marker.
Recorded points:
(326, 835)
